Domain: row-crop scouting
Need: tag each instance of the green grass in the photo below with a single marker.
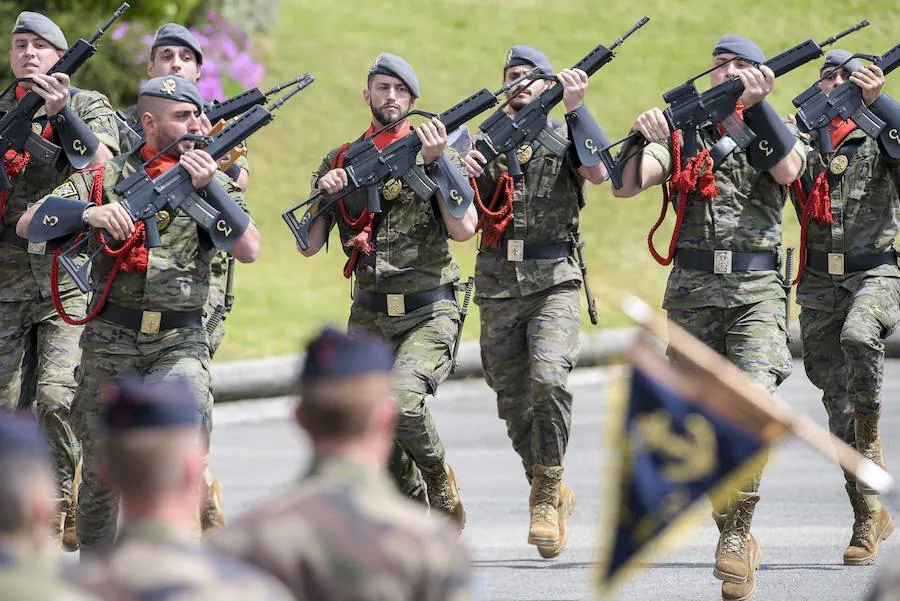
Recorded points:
(458, 47)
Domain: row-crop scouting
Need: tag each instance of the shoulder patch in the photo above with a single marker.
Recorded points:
(66, 190)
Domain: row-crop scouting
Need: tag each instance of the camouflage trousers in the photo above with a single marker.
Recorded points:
(32, 329)
(753, 337)
(843, 352)
(169, 354)
(423, 342)
(528, 347)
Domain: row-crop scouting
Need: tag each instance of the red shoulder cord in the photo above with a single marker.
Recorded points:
(14, 163)
(495, 217)
(683, 182)
(132, 256)
(362, 225)
(816, 206)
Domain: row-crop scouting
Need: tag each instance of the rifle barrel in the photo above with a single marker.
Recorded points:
(835, 38)
(286, 84)
(119, 12)
(304, 82)
(634, 28)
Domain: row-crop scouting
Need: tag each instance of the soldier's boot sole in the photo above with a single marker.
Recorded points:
(565, 509)
(69, 536)
(723, 573)
(869, 559)
(458, 512)
(744, 591)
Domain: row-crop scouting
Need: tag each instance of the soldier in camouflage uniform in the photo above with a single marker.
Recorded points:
(725, 287)
(175, 51)
(530, 308)
(27, 312)
(343, 533)
(27, 502)
(155, 459)
(150, 322)
(849, 290)
(405, 277)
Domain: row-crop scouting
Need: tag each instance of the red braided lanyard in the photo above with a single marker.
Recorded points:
(682, 182)
(495, 217)
(362, 225)
(816, 206)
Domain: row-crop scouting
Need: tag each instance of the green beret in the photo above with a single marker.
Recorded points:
(174, 88)
(39, 25)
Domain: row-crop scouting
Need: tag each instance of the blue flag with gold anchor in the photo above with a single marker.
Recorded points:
(671, 452)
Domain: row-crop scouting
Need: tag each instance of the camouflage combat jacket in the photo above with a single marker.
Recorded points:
(546, 202)
(27, 276)
(31, 579)
(412, 249)
(866, 212)
(743, 216)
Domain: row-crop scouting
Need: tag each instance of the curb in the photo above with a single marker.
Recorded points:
(275, 376)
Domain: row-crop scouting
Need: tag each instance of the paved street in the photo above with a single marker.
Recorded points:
(803, 521)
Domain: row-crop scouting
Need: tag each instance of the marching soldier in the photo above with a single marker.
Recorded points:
(148, 320)
(849, 288)
(405, 275)
(373, 539)
(82, 123)
(725, 288)
(527, 285)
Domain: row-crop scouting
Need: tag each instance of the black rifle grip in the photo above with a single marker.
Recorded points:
(152, 232)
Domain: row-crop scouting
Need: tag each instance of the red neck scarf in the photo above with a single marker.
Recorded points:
(839, 128)
(387, 136)
(159, 165)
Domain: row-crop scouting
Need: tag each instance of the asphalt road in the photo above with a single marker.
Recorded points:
(802, 522)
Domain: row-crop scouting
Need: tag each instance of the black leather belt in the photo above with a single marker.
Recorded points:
(839, 263)
(725, 261)
(151, 322)
(9, 237)
(519, 250)
(396, 305)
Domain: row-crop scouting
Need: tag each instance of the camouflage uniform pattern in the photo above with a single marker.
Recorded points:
(844, 318)
(30, 579)
(343, 534)
(176, 280)
(412, 254)
(530, 310)
(151, 562)
(28, 320)
(741, 315)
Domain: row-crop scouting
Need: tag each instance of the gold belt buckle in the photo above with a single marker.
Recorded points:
(836, 263)
(150, 322)
(37, 248)
(721, 261)
(396, 305)
(515, 250)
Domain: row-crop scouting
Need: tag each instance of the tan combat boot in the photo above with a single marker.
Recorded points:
(737, 553)
(69, 537)
(564, 509)
(211, 514)
(871, 524)
(443, 493)
(542, 504)
(868, 443)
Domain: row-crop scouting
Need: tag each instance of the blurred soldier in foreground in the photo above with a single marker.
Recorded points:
(153, 456)
(344, 533)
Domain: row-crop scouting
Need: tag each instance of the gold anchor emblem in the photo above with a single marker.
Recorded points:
(838, 164)
(690, 456)
(456, 196)
(163, 219)
(524, 153)
(50, 220)
(591, 146)
(168, 86)
(391, 189)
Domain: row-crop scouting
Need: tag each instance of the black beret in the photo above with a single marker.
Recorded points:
(841, 58)
(391, 64)
(334, 354)
(527, 55)
(174, 88)
(133, 404)
(741, 46)
(173, 34)
(39, 25)
(20, 435)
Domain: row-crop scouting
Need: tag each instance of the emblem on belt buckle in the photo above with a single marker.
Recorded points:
(838, 164)
(835, 263)
(515, 250)
(37, 248)
(524, 153)
(396, 305)
(150, 322)
(722, 261)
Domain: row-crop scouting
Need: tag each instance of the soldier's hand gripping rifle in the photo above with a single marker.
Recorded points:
(502, 134)
(690, 110)
(367, 166)
(817, 109)
(213, 210)
(77, 140)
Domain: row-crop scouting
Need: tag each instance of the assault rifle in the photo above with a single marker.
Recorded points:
(503, 134)
(690, 110)
(213, 210)
(15, 126)
(817, 109)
